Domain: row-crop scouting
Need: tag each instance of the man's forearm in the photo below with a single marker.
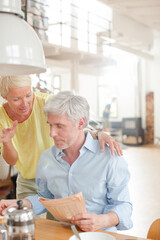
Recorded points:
(109, 220)
(9, 154)
(37, 207)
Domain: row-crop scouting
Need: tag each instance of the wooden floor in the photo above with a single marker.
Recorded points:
(144, 165)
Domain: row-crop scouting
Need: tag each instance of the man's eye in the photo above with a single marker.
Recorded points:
(15, 100)
(59, 126)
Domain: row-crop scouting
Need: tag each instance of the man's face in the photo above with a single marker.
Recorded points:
(63, 131)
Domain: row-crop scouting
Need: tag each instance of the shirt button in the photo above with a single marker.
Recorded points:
(71, 174)
(71, 192)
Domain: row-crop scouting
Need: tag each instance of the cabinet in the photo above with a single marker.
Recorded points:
(36, 13)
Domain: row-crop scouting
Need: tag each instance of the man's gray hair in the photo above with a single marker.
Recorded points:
(67, 102)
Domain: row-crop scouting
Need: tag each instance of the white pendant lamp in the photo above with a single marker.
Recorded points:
(21, 51)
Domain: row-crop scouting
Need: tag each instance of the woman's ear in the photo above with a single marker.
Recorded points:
(5, 97)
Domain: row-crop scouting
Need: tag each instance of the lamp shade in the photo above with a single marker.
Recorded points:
(21, 51)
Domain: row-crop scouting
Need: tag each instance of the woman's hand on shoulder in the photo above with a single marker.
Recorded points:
(104, 139)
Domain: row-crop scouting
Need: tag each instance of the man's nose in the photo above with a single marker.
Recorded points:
(53, 132)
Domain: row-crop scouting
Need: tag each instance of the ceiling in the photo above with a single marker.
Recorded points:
(146, 12)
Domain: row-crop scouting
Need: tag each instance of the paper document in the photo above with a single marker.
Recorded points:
(63, 209)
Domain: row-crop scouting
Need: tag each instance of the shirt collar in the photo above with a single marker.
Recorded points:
(90, 143)
(58, 153)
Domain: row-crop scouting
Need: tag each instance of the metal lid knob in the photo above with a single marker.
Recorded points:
(19, 203)
(18, 216)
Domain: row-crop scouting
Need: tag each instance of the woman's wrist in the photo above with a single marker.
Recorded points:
(96, 133)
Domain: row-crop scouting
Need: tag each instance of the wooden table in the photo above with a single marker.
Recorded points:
(52, 230)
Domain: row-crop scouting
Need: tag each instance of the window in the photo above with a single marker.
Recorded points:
(47, 82)
(77, 24)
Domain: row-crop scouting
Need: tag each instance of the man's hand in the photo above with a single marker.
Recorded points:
(89, 222)
(8, 133)
(106, 139)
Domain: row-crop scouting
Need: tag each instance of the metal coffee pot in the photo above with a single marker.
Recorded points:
(20, 222)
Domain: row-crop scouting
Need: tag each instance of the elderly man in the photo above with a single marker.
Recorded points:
(76, 164)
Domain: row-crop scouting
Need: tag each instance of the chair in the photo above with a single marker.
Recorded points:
(6, 185)
(154, 230)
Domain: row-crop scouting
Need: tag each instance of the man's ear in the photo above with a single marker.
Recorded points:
(81, 123)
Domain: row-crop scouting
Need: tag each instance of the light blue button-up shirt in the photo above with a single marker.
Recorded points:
(101, 177)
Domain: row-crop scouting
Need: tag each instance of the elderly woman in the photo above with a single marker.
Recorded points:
(25, 130)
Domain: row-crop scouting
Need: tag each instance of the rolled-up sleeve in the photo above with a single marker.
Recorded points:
(38, 208)
(42, 192)
(118, 197)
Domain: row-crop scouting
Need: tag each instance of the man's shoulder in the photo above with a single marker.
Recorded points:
(48, 152)
(118, 162)
(45, 157)
(93, 145)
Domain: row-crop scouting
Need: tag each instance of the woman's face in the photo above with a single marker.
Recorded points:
(20, 100)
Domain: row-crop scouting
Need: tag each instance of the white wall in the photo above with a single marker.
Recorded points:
(65, 81)
(150, 80)
(88, 89)
(126, 102)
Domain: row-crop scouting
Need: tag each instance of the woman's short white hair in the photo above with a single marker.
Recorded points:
(67, 102)
(7, 82)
